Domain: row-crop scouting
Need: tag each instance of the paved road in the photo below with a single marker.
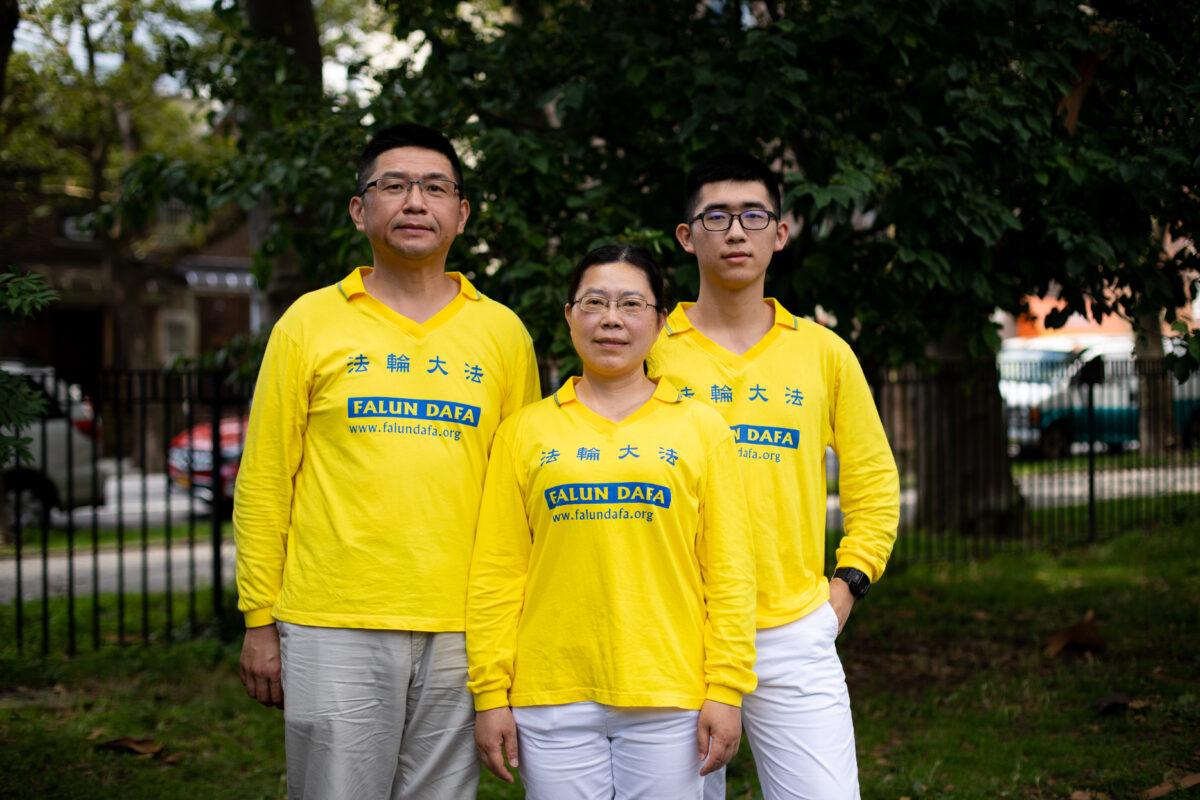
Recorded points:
(1041, 491)
(109, 567)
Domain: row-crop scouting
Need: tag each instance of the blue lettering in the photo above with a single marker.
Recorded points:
(574, 494)
(409, 408)
(766, 435)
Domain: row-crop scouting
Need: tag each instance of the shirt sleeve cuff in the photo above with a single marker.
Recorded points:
(870, 570)
(723, 694)
(486, 701)
(258, 617)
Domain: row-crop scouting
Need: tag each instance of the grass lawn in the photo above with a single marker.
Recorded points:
(954, 693)
(58, 540)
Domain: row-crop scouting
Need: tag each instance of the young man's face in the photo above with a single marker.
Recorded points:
(736, 258)
(412, 225)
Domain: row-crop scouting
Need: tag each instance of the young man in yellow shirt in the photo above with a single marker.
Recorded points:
(357, 496)
(788, 388)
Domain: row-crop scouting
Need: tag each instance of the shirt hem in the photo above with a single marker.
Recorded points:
(779, 619)
(556, 697)
(396, 623)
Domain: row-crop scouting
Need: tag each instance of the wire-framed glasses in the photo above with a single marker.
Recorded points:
(629, 306)
(752, 219)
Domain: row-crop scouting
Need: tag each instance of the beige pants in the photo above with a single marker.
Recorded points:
(377, 715)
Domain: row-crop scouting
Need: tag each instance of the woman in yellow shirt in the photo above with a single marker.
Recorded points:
(610, 607)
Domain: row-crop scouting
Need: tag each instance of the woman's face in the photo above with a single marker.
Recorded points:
(614, 342)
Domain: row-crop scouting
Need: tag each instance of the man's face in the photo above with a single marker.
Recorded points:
(412, 225)
(735, 258)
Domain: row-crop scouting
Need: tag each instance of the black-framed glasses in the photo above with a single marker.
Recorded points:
(752, 219)
(629, 306)
(392, 186)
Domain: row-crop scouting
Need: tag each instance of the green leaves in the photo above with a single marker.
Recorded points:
(22, 295)
(20, 404)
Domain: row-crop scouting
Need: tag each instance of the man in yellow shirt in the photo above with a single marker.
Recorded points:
(789, 389)
(357, 496)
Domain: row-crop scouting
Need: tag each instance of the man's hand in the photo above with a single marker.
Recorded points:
(841, 600)
(495, 736)
(260, 666)
(718, 734)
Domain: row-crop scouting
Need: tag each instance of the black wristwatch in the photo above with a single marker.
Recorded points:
(856, 579)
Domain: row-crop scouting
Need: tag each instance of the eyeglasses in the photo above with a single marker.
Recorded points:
(433, 188)
(752, 219)
(628, 306)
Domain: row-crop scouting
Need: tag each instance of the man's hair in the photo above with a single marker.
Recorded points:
(633, 255)
(741, 167)
(408, 134)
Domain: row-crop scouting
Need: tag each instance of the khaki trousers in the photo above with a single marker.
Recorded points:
(377, 715)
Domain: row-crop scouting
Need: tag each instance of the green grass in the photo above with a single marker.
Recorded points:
(1108, 459)
(954, 695)
(58, 540)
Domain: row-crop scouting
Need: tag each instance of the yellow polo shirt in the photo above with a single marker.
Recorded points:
(368, 442)
(612, 562)
(797, 391)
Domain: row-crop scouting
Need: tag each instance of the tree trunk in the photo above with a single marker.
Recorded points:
(10, 15)
(5, 533)
(1156, 412)
(294, 26)
(964, 482)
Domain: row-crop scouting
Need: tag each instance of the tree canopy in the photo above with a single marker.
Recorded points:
(944, 159)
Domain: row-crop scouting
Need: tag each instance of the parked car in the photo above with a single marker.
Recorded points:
(190, 457)
(69, 429)
(1044, 384)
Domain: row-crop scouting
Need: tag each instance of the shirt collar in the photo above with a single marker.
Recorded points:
(664, 392)
(352, 285)
(678, 322)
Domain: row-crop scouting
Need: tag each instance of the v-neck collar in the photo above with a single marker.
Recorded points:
(665, 393)
(678, 323)
(352, 289)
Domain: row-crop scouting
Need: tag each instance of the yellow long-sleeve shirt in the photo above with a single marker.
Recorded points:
(797, 391)
(613, 562)
(368, 441)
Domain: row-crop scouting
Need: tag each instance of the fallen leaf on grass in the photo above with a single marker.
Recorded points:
(1164, 789)
(1138, 705)
(95, 734)
(126, 744)
(980, 615)
(174, 758)
(1112, 704)
(1081, 638)
(1086, 795)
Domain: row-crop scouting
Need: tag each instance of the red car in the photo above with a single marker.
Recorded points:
(190, 458)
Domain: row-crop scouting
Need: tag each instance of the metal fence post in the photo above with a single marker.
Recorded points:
(216, 508)
(1091, 428)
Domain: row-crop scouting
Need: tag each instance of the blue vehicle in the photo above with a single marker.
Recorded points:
(1045, 392)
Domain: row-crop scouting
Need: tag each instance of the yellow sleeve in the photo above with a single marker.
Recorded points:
(868, 483)
(725, 550)
(263, 493)
(496, 588)
(524, 386)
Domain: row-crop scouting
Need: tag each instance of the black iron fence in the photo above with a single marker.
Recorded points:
(118, 526)
(1042, 450)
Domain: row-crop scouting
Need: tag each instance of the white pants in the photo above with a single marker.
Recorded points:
(376, 715)
(589, 751)
(798, 719)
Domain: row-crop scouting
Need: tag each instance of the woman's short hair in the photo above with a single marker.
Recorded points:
(633, 255)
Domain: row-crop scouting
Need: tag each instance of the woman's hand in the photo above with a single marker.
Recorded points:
(718, 734)
(495, 736)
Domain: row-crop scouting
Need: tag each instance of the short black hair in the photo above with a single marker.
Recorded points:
(408, 134)
(622, 254)
(730, 167)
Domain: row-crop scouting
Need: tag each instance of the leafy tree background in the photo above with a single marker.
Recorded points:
(942, 159)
